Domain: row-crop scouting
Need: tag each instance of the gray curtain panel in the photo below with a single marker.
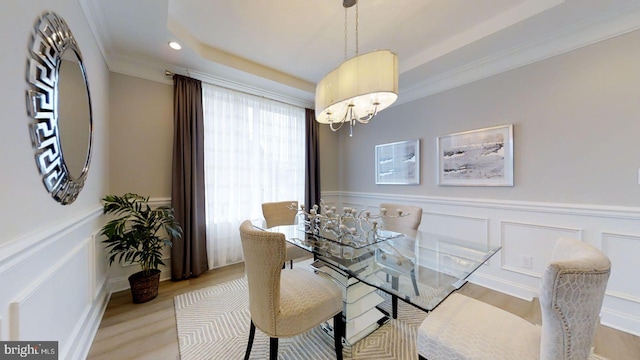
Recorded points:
(188, 254)
(312, 161)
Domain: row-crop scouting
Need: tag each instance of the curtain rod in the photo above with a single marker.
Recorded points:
(240, 88)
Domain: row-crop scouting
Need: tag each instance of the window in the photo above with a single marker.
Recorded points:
(254, 153)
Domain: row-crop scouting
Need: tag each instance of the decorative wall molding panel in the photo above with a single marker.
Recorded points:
(623, 249)
(527, 232)
(23, 247)
(523, 242)
(470, 228)
(615, 212)
(607, 26)
(37, 301)
(93, 265)
(33, 311)
(86, 330)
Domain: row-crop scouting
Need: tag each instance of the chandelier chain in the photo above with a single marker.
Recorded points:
(352, 89)
(346, 38)
(356, 28)
(345, 33)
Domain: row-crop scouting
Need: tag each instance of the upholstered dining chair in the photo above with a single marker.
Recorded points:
(285, 303)
(391, 221)
(571, 295)
(404, 224)
(284, 213)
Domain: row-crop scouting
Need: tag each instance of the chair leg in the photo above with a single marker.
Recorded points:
(291, 264)
(394, 307)
(273, 348)
(338, 333)
(415, 284)
(252, 334)
(395, 282)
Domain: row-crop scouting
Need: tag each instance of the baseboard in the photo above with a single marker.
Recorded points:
(620, 321)
(81, 345)
(503, 286)
(122, 282)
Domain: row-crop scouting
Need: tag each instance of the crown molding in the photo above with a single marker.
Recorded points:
(98, 28)
(147, 69)
(608, 25)
(155, 71)
(502, 21)
(215, 80)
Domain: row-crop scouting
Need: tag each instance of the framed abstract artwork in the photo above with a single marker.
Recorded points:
(482, 157)
(398, 163)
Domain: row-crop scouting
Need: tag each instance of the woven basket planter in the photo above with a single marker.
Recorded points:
(144, 288)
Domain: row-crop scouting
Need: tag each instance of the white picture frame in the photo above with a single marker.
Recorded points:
(482, 157)
(398, 163)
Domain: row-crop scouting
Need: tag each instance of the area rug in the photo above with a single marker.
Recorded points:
(213, 323)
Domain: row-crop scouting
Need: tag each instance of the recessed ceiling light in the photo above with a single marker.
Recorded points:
(174, 45)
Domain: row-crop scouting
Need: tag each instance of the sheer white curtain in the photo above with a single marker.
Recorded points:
(254, 153)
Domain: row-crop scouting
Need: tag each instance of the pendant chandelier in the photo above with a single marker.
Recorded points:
(359, 88)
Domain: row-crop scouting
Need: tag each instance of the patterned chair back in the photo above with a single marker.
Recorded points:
(572, 292)
(264, 253)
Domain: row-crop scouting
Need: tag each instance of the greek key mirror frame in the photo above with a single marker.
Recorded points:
(50, 39)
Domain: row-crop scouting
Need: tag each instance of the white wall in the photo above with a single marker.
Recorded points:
(576, 125)
(52, 273)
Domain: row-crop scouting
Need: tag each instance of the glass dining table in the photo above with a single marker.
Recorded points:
(417, 267)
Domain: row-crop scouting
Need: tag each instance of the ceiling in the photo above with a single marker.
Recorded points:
(282, 48)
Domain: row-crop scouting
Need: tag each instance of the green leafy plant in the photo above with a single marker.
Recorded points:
(134, 236)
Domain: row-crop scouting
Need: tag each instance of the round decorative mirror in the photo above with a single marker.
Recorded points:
(59, 104)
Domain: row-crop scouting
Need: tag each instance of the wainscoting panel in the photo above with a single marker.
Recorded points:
(356, 206)
(31, 312)
(525, 247)
(527, 232)
(474, 229)
(329, 198)
(98, 267)
(51, 287)
(623, 251)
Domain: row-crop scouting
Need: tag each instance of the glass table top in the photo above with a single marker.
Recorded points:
(417, 267)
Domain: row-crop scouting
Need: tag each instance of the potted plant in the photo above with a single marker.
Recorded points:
(135, 236)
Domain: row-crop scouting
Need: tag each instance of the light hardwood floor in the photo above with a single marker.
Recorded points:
(148, 331)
